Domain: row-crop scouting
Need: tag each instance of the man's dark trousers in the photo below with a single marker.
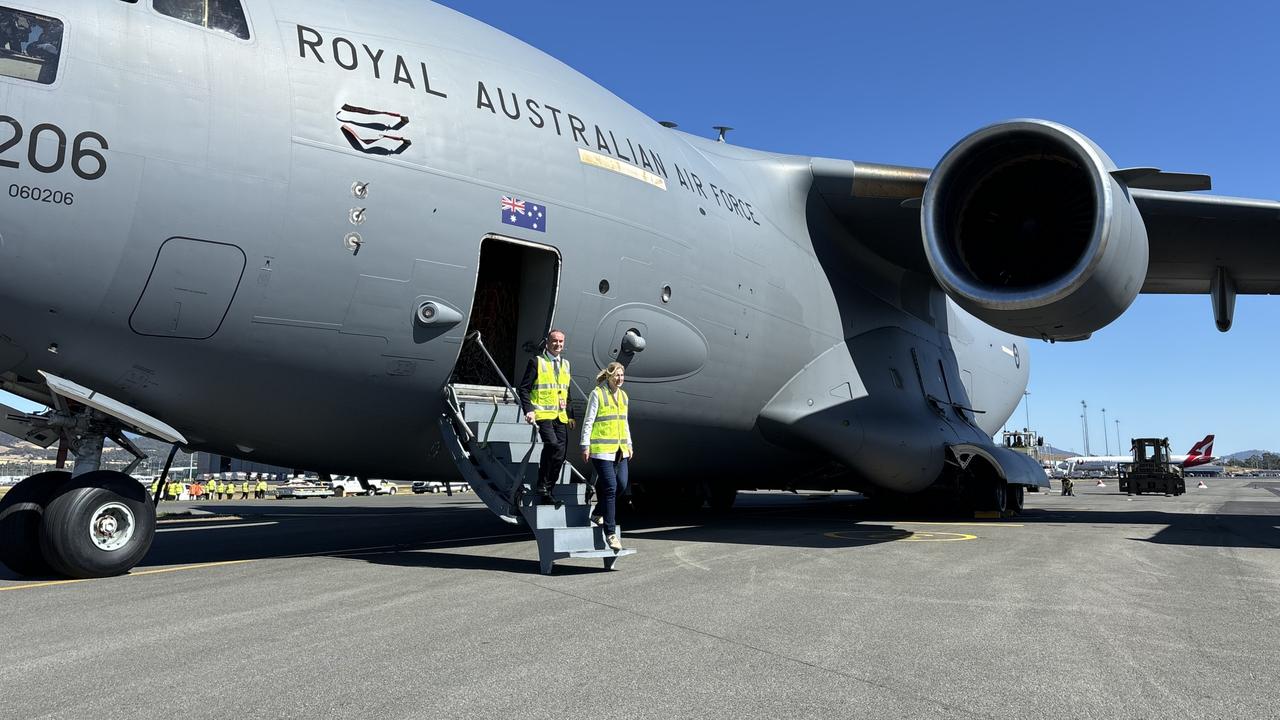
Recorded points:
(555, 440)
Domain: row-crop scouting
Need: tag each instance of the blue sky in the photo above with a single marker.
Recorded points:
(1182, 86)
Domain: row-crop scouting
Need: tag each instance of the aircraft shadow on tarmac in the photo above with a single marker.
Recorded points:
(418, 536)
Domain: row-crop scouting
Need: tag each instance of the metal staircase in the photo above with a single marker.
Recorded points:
(497, 453)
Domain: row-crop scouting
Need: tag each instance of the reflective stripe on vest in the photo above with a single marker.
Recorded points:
(609, 432)
(550, 395)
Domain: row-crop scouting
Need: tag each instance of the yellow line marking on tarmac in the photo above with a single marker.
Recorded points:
(196, 566)
(957, 524)
(372, 550)
(899, 535)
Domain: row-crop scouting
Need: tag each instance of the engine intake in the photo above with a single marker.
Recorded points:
(1026, 228)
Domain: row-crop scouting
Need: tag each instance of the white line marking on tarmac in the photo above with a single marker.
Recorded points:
(216, 527)
(680, 558)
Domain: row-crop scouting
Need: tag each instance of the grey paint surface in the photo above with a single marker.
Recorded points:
(779, 296)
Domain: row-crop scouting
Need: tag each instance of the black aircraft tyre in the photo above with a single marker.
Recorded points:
(989, 494)
(98, 525)
(1016, 495)
(21, 512)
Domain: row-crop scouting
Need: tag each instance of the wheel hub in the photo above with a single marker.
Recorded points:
(112, 526)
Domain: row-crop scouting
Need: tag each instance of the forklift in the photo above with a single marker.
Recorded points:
(1151, 471)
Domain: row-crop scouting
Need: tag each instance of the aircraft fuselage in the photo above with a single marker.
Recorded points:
(270, 212)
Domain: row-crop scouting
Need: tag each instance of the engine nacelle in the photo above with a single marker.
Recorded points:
(1026, 228)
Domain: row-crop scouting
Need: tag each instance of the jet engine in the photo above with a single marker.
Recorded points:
(1026, 227)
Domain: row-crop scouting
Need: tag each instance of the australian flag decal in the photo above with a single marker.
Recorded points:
(524, 214)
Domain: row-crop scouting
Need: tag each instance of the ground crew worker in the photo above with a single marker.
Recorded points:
(197, 490)
(155, 486)
(222, 489)
(261, 487)
(244, 488)
(544, 397)
(1068, 487)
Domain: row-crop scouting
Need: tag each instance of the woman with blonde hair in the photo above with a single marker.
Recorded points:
(606, 442)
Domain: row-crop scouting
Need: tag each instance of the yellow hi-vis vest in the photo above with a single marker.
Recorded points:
(609, 432)
(550, 394)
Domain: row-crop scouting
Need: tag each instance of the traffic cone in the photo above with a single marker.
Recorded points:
(1100, 483)
(1201, 484)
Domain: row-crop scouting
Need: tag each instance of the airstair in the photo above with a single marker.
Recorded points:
(497, 453)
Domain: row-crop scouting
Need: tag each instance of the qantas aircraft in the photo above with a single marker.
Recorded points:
(305, 231)
(1200, 454)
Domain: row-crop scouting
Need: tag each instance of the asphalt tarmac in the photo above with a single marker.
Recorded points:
(1095, 606)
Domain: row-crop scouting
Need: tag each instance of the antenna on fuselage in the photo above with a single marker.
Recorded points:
(722, 130)
(668, 124)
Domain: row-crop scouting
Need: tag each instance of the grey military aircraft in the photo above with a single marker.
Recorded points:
(287, 231)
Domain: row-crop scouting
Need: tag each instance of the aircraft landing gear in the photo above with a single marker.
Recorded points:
(21, 512)
(90, 522)
(988, 494)
(98, 524)
(1015, 497)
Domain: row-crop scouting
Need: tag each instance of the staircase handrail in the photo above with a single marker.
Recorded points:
(475, 335)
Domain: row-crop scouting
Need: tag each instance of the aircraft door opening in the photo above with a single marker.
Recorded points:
(514, 302)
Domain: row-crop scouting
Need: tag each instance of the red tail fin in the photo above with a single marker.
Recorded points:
(1200, 453)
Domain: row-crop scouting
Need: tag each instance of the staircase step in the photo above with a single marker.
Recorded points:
(542, 517)
(567, 493)
(514, 452)
(483, 394)
(571, 539)
(503, 431)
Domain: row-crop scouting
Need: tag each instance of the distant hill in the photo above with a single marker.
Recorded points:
(1246, 454)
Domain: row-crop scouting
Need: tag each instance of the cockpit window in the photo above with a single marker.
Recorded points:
(30, 45)
(224, 15)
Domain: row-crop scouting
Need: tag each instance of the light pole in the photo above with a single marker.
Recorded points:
(1026, 404)
(1106, 443)
(1119, 447)
(1084, 424)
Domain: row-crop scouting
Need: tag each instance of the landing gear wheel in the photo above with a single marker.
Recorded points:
(988, 495)
(1016, 496)
(998, 496)
(98, 524)
(21, 512)
(391, 490)
(722, 496)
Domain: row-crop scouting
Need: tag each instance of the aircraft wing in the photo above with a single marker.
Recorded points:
(1190, 236)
